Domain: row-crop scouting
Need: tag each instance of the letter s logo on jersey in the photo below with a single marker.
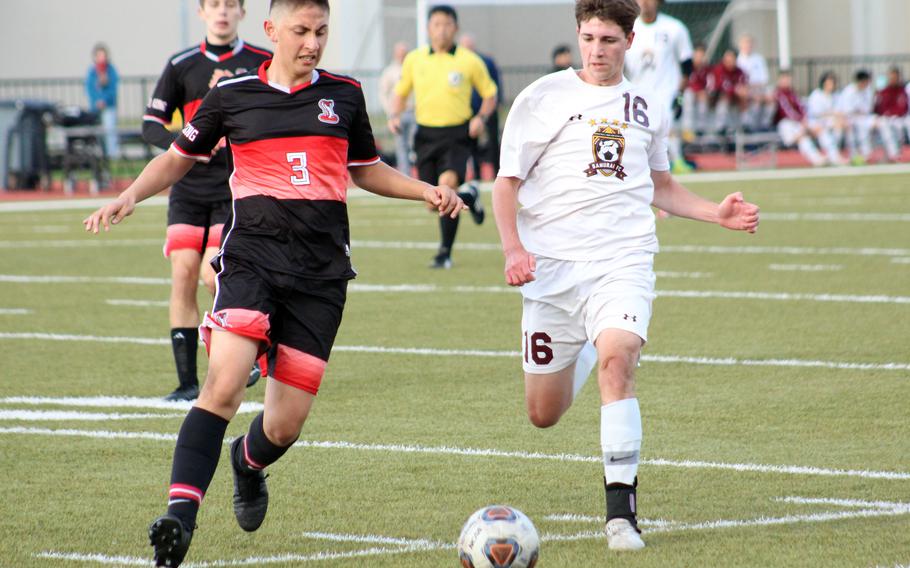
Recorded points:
(190, 132)
(328, 115)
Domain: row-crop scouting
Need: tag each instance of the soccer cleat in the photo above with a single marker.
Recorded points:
(255, 375)
(189, 392)
(171, 540)
(622, 535)
(251, 496)
(441, 263)
(680, 166)
(475, 205)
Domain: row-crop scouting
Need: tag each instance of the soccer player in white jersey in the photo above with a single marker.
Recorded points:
(584, 153)
(660, 60)
(856, 102)
(824, 116)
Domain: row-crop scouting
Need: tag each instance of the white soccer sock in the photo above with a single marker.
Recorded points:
(587, 358)
(620, 439)
(807, 148)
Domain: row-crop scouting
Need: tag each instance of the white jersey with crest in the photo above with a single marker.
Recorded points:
(585, 155)
(658, 50)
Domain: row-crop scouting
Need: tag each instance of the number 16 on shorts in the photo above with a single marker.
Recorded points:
(536, 348)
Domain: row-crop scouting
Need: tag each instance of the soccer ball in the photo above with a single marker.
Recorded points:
(498, 537)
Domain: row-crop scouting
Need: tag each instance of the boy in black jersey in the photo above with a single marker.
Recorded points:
(200, 203)
(295, 132)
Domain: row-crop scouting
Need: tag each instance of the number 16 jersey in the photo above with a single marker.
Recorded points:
(291, 149)
(585, 155)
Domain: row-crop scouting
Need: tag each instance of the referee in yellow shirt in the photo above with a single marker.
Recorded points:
(442, 76)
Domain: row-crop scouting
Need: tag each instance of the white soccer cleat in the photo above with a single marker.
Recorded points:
(621, 535)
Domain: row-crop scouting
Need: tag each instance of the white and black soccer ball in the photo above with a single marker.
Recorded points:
(498, 537)
(608, 150)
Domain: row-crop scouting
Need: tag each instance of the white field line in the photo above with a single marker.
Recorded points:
(861, 217)
(14, 312)
(794, 173)
(69, 204)
(487, 453)
(806, 267)
(725, 362)
(371, 539)
(117, 402)
(901, 260)
(26, 279)
(423, 545)
(138, 303)
(96, 241)
(59, 415)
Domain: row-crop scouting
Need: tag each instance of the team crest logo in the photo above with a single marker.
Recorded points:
(608, 145)
(454, 78)
(328, 115)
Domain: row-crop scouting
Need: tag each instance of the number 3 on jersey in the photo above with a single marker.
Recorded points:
(298, 161)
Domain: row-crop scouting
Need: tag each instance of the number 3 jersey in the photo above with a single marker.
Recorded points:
(290, 150)
(585, 155)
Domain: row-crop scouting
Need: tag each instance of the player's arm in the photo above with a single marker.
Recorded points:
(161, 173)
(382, 179)
(487, 89)
(733, 212)
(164, 100)
(520, 264)
(398, 102)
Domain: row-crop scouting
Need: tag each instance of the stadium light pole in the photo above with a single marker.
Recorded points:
(783, 33)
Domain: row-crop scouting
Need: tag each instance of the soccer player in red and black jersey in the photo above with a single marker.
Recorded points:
(295, 133)
(200, 203)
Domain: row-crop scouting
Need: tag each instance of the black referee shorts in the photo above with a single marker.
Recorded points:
(294, 319)
(441, 149)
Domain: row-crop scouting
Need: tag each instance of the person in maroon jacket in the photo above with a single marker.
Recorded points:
(295, 134)
(893, 103)
(729, 89)
(695, 96)
(793, 128)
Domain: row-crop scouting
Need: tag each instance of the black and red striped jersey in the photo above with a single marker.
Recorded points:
(291, 149)
(186, 79)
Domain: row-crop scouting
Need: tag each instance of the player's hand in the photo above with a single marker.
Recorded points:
(520, 267)
(736, 214)
(110, 214)
(475, 127)
(445, 200)
(219, 146)
(394, 124)
(217, 75)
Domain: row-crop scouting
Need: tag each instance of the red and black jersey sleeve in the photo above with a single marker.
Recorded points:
(201, 134)
(167, 97)
(361, 144)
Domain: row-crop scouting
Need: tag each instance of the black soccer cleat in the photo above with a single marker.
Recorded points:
(183, 393)
(171, 540)
(255, 375)
(441, 262)
(471, 196)
(251, 496)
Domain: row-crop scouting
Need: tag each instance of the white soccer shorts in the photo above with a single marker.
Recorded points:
(571, 302)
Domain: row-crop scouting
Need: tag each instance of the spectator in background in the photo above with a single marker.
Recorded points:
(486, 148)
(730, 90)
(891, 103)
(405, 136)
(856, 102)
(793, 126)
(101, 86)
(562, 58)
(822, 113)
(695, 97)
(761, 105)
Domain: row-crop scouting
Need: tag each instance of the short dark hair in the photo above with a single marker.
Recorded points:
(443, 9)
(202, 3)
(825, 76)
(622, 12)
(324, 4)
(862, 75)
(560, 50)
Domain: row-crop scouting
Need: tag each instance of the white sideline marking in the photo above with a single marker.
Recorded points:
(139, 303)
(70, 203)
(862, 217)
(14, 312)
(786, 297)
(487, 453)
(55, 415)
(79, 243)
(823, 251)
(794, 173)
(117, 402)
(728, 361)
(371, 539)
(901, 260)
(26, 279)
(806, 267)
(423, 545)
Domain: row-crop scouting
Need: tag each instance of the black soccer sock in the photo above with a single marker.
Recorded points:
(256, 452)
(448, 227)
(622, 501)
(195, 459)
(185, 341)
